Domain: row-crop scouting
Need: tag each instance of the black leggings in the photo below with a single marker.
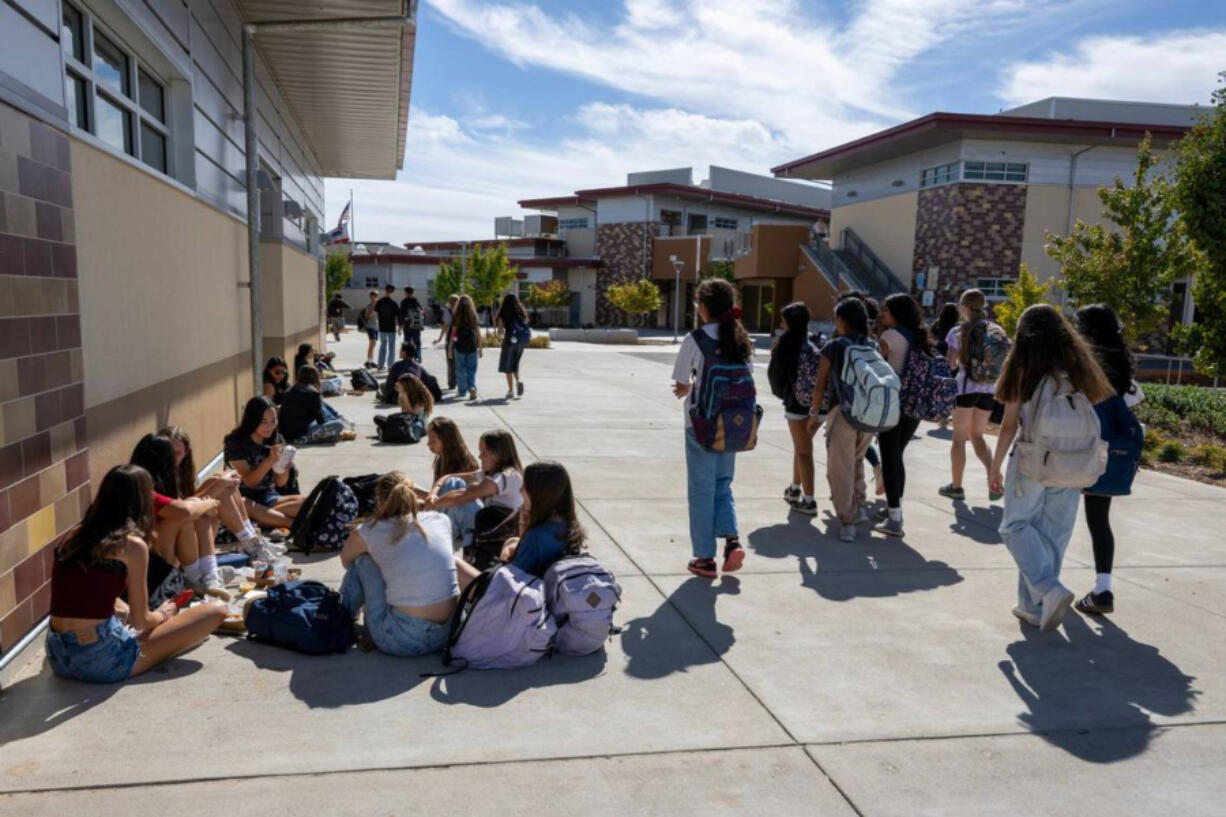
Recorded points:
(1098, 519)
(893, 443)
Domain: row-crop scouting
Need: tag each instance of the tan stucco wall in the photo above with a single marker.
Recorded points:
(1047, 209)
(159, 278)
(812, 287)
(290, 290)
(887, 225)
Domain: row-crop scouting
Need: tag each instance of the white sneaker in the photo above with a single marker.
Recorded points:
(1026, 616)
(1055, 604)
(214, 587)
(848, 533)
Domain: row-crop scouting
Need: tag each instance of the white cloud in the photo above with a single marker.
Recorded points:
(1177, 67)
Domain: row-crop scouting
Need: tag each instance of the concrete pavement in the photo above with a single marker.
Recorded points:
(878, 678)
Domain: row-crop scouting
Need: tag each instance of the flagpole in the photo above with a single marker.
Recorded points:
(353, 232)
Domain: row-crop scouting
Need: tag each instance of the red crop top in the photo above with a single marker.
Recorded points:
(86, 592)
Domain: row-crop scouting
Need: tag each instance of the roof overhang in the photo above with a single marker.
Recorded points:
(690, 193)
(940, 128)
(544, 261)
(345, 67)
(554, 203)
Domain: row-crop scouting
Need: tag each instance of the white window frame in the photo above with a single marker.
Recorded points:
(995, 172)
(994, 288)
(724, 223)
(137, 116)
(577, 223)
(947, 173)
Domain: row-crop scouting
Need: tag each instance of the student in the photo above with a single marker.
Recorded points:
(845, 445)
(496, 484)
(510, 316)
(369, 321)
(307, 356)
(873, 309)
(253, 449)
(414, 398)
(709, 474)
(412, 318)
(974, 403)
(444, 336)
(946, 320)
(104, 556)
(466, 346)
(903, 333)
(451, 456)
(185, 529)
(276, 379)
(336, 315)
(399, 568)
(305, 418)
(387, 312)
(408, 365)
(1100, 327)
(1038, 520)
(783, 371)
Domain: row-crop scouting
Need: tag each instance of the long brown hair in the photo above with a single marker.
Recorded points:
(501, 444)
(395, 500)
(413, 395)
(122, 507)
(1045, 343)
(976, 304)
(465, 316)
(456, 458)
(308, 376)
(551, 497)
(185, 471)
(719, 299)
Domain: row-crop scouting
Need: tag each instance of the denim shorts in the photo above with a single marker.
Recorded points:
(372, 332)
(266, 497)
(107, 660)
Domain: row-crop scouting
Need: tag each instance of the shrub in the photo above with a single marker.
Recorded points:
(493, 340)
(1184, 409)
(1171, 451)
(1211, 456)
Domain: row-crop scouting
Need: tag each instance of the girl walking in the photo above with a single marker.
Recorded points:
(783, 373)
(709, 473)
(903, 333)
(967, 345)
(466, 346)
(510, 318)
(1038, 519)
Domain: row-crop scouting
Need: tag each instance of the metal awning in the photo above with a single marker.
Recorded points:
(348, 83)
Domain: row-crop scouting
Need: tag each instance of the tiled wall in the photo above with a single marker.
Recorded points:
(620, 247)
(44, 461)
(970, 231)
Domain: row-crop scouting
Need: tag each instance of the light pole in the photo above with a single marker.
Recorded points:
(677, 265)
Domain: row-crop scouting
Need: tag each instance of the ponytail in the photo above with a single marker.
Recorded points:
(719, 299)
(975, 303)
(396, 500)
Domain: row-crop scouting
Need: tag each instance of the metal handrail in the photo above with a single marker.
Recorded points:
(835, 265)
(881, 274)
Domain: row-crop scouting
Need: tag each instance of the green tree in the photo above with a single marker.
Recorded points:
(721, 268)
(447, 282)
(337, 272)
(489, 274)
(637, 298)
(1199, 192)
(548, 294)
(1025, 292)
(1130, 264)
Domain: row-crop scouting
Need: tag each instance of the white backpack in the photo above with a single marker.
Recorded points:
(1061, 445)
(869, 390)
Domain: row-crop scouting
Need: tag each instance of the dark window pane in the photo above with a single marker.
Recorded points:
(152, 147)
(114, 124)
(151, 97)
(78, 110)
(110, 64)
(71, 38)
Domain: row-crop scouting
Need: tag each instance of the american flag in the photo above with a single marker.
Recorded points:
(341, 233)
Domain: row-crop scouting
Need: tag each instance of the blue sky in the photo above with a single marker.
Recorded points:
(514, 99)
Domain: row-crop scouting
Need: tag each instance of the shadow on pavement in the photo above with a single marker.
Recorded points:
(940, 433)
(979, 523)
(661, 644)
(1099, 678)
(495, 688)
(343, 679)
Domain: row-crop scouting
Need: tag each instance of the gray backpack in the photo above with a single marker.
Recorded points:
(582, 596)
(501, 622)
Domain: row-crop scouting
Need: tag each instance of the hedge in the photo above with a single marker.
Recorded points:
(1183, 410)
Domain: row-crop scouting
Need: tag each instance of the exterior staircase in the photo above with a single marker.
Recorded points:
(855, 266)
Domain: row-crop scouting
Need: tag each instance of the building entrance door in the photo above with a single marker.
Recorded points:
(756, 300)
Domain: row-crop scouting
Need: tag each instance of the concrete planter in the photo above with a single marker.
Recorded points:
(617, 336)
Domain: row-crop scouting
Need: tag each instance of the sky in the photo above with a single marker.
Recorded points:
(518, 99)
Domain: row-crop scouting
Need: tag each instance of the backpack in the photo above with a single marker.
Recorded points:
(581, 596)
(868, 389)
(303, 615)
(928, 388)
(1061, 446)
(363, 380)
(501, 622)
(363, 488)
(323, 520)
(400, 427)
(493, 525)
(989, 346)
(414, 319)
(726, 413)
(520, 333)
(1125, 438)
(807, 364)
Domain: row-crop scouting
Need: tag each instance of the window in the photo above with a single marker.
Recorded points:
(994, 287)
(941, 174)
(722, 223)
(572, 224)
(111, 94)
(697, 223)
(995, 171)
(372, 282)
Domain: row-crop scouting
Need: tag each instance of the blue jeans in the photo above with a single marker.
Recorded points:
(328, 432)
(394, 632)
(463, 517)
(387, 350)
(1036, 527)
(107, 659)
(414, 335)
(465, 372)
(709, 487)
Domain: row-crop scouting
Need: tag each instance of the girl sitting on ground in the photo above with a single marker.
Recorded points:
(305, 417)
(105, 555)
(276, 379)
(451, 456)
(399, 568)
(253, 449)
(184, 528)
(497, 484)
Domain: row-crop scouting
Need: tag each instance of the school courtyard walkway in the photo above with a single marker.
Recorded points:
(881, 678)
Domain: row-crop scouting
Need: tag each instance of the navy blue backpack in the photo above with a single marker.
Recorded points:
(1125, 438)
(303, 615)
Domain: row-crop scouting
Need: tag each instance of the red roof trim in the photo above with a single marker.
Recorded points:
(383, 259)
(995, 122)
(691, 192)
(487, 242)
(553, 203)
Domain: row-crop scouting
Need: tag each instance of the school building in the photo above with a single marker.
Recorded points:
(950, 201)
(125, 282)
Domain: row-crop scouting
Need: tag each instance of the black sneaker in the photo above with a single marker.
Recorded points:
(1096, 603)
(807, 507)
(791, 495)
(734, 555)
(703, 567)
(956, 494)
(519, 388)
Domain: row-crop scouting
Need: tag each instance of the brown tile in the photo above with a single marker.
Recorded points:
(76, 365)
(46, 410)
(82, 432)
(57, 297)
(70, 226)
(68, 331)
(18, 419)
(14, 130)
(76, 469)
(32, 375)
(8, 170)
(48, 146)
(28, 576)
(63, 442)
(64, 260)
(50, 223)
(8, 380)
(7, 287)
(8, 593)
(12, 546)
(16, 624)
(20, 215)
(30, 295)
(6, 518)
(42, 335)
(51, 484)
(24, 498)
(36, 455)
(66, 512)
(72, 401)
(14, 337)
(10, 465)
(12, 255)
(39, 181)
(72, 299)
(48, 554)
(40, 602)
(58, 369)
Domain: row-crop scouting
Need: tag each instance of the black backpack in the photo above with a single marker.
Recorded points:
(363, 488)
(323, 520)
(492, 527)
(399, 428)
(362, 380)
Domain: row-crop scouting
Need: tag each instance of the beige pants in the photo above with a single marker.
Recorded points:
(845, 447)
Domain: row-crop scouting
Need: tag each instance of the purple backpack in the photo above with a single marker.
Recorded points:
(726, 413)
(928, 388)
(501, 622)
(807, 364)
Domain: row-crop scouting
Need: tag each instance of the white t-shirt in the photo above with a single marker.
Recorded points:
(509, 482)
(418, 570)
(689, 365)
(899, 345)
(965, 384)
